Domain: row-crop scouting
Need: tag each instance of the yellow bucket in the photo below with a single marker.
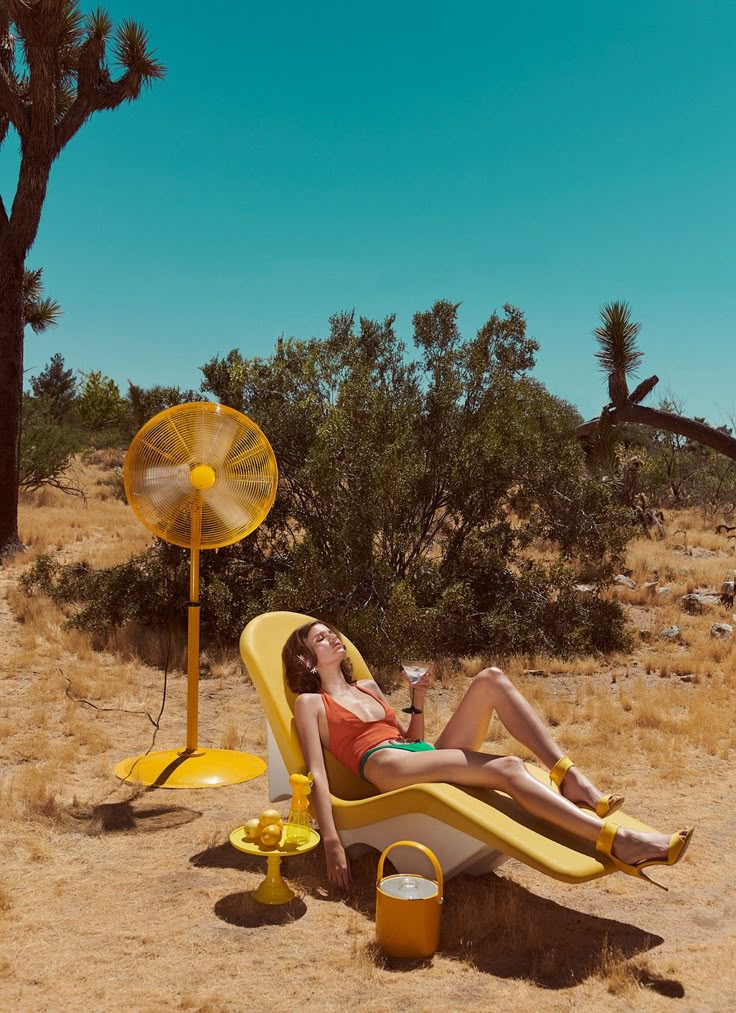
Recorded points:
(408, 909)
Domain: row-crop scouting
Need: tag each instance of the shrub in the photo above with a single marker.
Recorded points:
(47, 449)
(411, 487)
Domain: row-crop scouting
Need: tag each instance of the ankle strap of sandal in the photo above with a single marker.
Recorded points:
(605, 838)
(557, 773)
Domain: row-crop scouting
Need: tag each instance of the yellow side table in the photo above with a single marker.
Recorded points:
(273, 890)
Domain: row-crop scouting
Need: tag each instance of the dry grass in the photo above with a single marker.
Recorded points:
(100, 529)
(144, 875)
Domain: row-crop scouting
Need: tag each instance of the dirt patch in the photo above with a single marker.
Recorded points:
(117, 900)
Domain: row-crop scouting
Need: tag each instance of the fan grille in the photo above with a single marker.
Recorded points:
(158, 474)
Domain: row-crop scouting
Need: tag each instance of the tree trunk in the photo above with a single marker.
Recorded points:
(11, 398)
(656, 419)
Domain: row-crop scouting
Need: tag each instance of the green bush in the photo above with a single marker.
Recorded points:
(412, 482)
(47, 449)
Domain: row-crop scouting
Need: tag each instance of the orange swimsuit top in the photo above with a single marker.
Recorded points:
(350, 736)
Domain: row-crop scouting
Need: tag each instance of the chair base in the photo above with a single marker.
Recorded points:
(456, 852)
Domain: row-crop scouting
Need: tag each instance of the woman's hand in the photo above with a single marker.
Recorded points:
(338, 866)
(426, 679)
(421, 686)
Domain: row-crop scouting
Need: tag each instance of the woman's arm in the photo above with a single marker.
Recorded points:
(306, 711)
(414, 729)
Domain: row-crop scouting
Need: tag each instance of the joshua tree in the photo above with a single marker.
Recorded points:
(53, 76)
(619, 358)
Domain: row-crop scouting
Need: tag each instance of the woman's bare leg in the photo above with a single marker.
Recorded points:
(491, 690)
(389, 769)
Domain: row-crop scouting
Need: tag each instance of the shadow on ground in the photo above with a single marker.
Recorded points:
(130, 817)
(490, 923)
(242, 910)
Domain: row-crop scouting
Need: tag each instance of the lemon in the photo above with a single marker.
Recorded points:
(252, 829)
(271, 835)
(270, 816)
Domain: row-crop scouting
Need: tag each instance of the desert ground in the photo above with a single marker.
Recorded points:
(113, 898)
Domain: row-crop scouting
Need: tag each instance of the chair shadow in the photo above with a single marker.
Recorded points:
(500, 928)
(490, 923)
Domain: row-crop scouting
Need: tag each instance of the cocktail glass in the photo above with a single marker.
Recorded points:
(413, 670)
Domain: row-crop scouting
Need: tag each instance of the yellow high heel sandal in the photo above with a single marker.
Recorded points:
(607, 804)
(676, 849)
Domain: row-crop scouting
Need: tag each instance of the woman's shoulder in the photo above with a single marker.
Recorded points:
(307, 702)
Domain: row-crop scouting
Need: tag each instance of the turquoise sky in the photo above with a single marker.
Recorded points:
(303, 159)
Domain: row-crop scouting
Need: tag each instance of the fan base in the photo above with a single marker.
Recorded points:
(176, 768)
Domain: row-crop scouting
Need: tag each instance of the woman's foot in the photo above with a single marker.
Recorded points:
(632, 851)
(576, 788)
(634, 846)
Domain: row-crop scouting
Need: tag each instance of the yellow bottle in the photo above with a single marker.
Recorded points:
(297, 825)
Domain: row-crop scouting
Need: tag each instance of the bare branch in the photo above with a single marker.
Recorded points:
(657, 419)
(644, 389)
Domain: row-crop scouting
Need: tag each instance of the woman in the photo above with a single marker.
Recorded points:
(354, 721)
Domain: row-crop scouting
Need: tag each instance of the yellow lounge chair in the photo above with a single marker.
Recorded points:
(469, 830)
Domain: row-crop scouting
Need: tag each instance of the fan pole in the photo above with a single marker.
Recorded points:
(193, 628)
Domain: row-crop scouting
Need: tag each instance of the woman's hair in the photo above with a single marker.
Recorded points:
(300, 661)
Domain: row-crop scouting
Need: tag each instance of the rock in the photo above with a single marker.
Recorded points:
(624, 581)
(539, 672)
(584, 588)
(727, 587)
(645, 635)
(670, 633)
(664, 590)
(696, 603)
(721, 630)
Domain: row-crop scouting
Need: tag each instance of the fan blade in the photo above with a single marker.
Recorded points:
(233, 514)
(220, 440)
(234, 464)
(207, 437)
(149, 451)
(158, 475)
(176, 526)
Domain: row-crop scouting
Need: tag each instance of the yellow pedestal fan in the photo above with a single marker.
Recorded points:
(201, 476)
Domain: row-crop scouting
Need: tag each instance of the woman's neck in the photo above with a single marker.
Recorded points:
(331, 679)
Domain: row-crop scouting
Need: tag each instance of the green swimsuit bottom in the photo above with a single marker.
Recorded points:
(409, 747)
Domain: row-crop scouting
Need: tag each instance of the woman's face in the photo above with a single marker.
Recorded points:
(326, 645)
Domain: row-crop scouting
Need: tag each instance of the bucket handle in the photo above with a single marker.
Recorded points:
(421, 847)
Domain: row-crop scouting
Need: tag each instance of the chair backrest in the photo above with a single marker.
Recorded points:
(261, 644)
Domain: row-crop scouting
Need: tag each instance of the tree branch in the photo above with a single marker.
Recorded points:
(105, 94)
(657, 419)
(11, 105)
(90, 76)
